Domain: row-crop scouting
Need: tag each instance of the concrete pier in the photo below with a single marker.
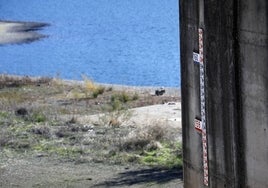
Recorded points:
(236, 92)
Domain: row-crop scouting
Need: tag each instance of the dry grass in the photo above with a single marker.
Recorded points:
(142, 138)
(39, 116)
(16, 81)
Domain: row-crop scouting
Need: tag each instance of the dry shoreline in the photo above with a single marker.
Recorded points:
(169, 91)
(14, 32)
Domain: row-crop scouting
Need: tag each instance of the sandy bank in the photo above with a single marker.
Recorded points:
(20, 32)
(169, 91)
(168, 115)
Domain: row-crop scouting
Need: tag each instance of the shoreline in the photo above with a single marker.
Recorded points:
(170, 91)
(16, 32)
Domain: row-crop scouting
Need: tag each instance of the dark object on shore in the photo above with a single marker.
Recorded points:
(160, 91)
(21, 112)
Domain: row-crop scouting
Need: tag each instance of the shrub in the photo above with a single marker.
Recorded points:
(115, 118)
(98, 91)
(122, 97)
(142, 137)
(109, 89)
(101, 90)
(135, 97)
(38, 117)
(68, 131)
(114, 122)
(116, 105)
(42, 131)
(118, 101)
(167, 156)
(89, 84)
(63, 132)
(135, 144)
(92, 88)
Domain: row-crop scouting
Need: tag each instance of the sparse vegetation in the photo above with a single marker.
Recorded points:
(122, 97)
(115, 118)
(169, 155)
(91, 88)
(39, 117)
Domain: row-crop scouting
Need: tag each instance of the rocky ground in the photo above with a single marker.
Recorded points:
(57, 133)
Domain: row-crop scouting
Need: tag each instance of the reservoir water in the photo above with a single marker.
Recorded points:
(130, 42)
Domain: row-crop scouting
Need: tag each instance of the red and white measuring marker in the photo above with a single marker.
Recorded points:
(200, 126)
(197, 125)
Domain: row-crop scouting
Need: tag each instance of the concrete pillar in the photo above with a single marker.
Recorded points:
(236, 79)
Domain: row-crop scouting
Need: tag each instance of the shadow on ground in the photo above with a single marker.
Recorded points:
(143, 176)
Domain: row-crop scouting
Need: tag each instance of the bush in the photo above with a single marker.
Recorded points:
(122, 97)
(42, 131)
(89, 84)
(63, 132)
(38, 117)
(92, 88)
(140, 139)
(109, 89)
(115, 118)
(167, 156)
(135, 97)
(116, 105)
(118, 101)
(98, 91)
(68, 131)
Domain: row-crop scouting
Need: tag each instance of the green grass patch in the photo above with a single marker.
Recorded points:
(4, 114)
(60, 150)
(170, 156)
(38, 117)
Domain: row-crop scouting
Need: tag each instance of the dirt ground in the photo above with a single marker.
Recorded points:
(70, 139)
(45, 172)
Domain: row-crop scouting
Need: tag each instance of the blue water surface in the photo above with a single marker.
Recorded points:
(130, 42)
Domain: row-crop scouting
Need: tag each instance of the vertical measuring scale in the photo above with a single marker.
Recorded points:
(203, 107)
(200, 126)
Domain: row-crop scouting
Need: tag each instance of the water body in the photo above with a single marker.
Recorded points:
(128, 42)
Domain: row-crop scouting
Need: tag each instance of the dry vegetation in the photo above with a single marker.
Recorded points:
(39, 117)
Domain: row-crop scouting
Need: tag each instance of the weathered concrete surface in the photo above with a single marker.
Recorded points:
(253, 69)
(236, 66)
